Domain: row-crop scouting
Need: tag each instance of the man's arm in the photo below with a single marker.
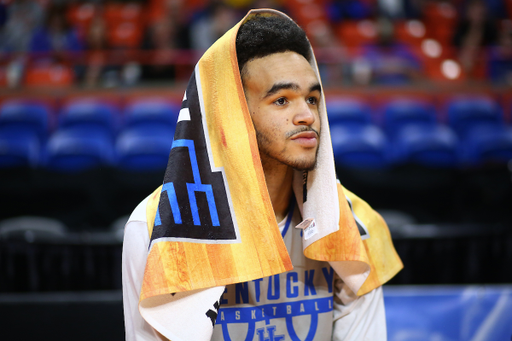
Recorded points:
(358, 318)
(135, 245)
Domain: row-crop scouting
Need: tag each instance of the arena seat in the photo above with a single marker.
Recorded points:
(21, 237)
(487, 144)
(465, 113)
(359, 147)
(125, 24)
(56, 75)
(440, 19)
(81, 15)
(18, 149)
(400, 112)
(144, 148)
(348, 111)
(353, 33)
(91, 113)
(125, 35)
(432, 145)
(123, 12)
(78, 148)
(411, 32)
(26, 116)
(151, 112)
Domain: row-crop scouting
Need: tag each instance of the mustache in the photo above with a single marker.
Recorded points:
(300, 130)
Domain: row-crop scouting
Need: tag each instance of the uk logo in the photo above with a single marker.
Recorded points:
(271, 330)
(195, 205)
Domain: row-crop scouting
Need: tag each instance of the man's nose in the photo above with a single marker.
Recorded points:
(305, 115)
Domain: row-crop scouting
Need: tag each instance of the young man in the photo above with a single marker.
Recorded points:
(210, 254)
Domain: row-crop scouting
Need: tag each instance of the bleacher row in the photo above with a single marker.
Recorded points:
(468, 131)
(87, 133)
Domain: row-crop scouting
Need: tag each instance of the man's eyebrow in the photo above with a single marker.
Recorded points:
(316, 87)
(280, 86)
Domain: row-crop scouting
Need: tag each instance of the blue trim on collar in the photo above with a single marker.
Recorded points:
(291, 208)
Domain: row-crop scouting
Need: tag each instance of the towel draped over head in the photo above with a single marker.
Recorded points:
(212, 223)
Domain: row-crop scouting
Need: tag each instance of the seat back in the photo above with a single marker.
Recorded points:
(26, 116)
(91, 113)
(151, 112)
(348, 111)
(144, 148)
(363, 147)
(78, 149)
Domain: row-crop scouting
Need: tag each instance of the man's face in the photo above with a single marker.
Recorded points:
(283, 94)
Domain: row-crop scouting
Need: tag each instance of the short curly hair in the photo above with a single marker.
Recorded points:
(261, 36)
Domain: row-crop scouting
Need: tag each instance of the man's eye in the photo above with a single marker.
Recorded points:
(281, 101)
(312, 100)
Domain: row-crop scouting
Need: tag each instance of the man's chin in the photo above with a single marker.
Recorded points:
(304, 165)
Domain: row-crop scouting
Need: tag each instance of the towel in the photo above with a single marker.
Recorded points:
(212, 223)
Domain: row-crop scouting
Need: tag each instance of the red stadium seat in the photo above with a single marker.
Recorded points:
(116, 13)
(125, 34)
(357, 33)
(125, 24)
(411, 32)
(81, 15)
(49, 75)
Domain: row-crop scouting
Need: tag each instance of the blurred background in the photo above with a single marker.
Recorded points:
(419, 99)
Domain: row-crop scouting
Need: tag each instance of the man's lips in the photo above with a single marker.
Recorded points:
(306, 139)
(305, 135)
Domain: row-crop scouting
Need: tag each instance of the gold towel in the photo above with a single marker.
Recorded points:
(214, 219)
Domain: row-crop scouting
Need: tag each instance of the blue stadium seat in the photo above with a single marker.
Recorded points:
(426, 145)
(26, 116)
(144, 148)
(402, 112)
(151, 112)
(348, 111)
(360, 147)
(487, 144)
(78, 148)
(91, 113)
(18, 149)
(466, 113)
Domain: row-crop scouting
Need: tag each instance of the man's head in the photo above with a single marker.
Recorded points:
(265, 35)
(282, 91)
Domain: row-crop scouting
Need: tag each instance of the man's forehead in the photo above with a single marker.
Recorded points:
(281, 70)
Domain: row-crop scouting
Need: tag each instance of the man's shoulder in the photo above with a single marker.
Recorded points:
(139, 213)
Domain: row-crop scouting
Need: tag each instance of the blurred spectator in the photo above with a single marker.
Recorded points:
(160, 41)
(274, 4)
(23, 16)
(497, 8)
(387, 61)
(57, 36)
(398, 9)
(211, 24)
(166, 34)
(330, 53)
(476, 30)
(339, 10)
(500, 58)
(97, 69)
(392, 9)
(3, 15)
(179, 15)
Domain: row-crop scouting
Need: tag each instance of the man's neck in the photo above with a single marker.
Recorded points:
(279, 184)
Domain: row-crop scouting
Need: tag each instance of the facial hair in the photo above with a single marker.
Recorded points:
(298, 164)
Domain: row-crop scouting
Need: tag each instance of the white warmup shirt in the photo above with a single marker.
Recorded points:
(305, 303)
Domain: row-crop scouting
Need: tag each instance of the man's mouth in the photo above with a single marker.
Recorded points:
(307, 138)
